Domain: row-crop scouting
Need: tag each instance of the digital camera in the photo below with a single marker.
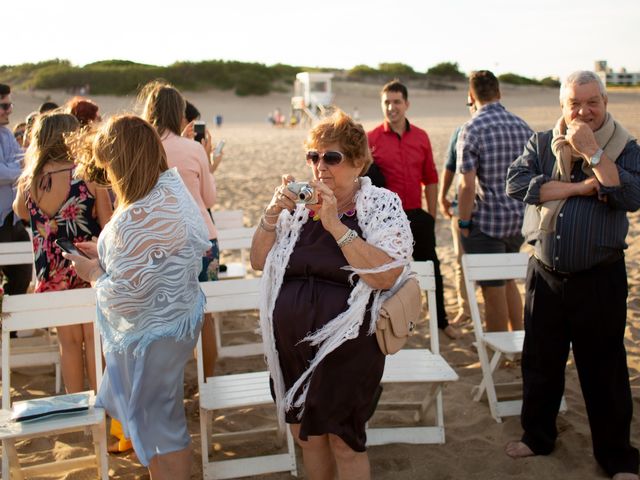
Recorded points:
(305, 192)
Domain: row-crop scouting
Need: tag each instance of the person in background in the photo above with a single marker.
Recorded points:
(60, 206)
(85, 110)
(580, 179)
(450, 210)
(17, 277)
(489, 220)
(191, 115)
(149, 313)
(317, 325)
(18, 133)
(164, 108)
(403, 157)
(47, 107)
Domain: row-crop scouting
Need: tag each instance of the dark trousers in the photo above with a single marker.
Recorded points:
(17, 277)
(588, 312)
(423, 228)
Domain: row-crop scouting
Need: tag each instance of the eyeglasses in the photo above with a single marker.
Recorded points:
(470, 104)
(6, 106)
(330, 158)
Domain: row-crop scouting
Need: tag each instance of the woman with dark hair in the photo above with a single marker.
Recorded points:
(149, 312)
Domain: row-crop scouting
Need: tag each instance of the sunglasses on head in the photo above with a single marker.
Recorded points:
(6, 106)
(330, 158)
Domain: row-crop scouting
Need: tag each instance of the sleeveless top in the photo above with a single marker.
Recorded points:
(74, 220)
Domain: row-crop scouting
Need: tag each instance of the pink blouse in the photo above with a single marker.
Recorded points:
(191, 161)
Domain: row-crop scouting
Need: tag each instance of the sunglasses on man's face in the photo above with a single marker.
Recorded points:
(330, 158)
(6, 106)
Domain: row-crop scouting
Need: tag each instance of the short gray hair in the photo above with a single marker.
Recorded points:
(582, 77)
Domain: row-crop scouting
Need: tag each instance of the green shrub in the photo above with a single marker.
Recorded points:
(447, 69)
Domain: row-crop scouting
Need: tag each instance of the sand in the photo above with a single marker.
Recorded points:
(255, 157)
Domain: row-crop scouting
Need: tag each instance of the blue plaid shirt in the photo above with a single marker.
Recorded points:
(488, 144)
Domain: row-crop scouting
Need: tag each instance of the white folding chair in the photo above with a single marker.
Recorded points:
(237, 391)
(505, 266)
(44, 310)
(424, 366)
(32, 350)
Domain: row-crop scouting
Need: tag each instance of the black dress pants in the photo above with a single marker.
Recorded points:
(423, 228)
(586, 311)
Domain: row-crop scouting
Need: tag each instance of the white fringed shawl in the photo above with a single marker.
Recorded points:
(384, 225)
(152, 252)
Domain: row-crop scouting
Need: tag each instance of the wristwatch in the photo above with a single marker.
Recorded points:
(464, 224)
(595, 158)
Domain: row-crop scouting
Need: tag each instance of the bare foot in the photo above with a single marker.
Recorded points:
(625, 476)
(518, 449)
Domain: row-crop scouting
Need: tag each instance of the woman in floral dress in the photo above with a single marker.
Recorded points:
(61, 206)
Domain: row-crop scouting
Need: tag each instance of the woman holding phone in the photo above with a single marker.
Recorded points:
(61, 207)
(164, 108)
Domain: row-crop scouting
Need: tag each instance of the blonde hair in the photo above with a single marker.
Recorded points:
(47, 145)
(340, 129)
(164, 106)
(130, 151)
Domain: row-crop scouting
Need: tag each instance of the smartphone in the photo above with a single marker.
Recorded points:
(219, 147)
(199, 129)
(67, 246)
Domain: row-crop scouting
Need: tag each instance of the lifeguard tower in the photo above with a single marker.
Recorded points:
(312, 95)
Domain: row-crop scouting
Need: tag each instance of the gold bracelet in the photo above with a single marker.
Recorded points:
(347, 238)
(266, 226)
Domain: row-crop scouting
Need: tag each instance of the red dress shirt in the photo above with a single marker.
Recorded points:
(406, 162)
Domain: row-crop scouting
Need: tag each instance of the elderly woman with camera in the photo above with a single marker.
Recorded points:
(145, 267)
(327, 250)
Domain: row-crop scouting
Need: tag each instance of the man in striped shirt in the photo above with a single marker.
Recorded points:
(578, 181)
(489, 221)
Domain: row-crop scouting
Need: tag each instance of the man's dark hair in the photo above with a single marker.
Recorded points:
(484, 85)
(395, 86)
(4, 89)
(191, 112)
(47, 106)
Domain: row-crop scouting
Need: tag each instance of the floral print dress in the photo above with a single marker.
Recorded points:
(76, 221)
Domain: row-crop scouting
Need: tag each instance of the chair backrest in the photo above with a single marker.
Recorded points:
(490, 266)
(426, 278)
(227, 296)
(16, 253)
(228, 219)
(45, 310)
(235, 238)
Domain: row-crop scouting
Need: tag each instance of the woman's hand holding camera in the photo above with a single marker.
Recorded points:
(282, 199)
(328, 209)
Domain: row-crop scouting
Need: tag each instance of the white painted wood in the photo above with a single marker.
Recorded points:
(43, 310)
(225, 219)
(425, 366)
(235, 392)
(506, 266)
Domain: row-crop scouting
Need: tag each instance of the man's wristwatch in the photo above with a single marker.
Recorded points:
(464, 224)
(595, 158)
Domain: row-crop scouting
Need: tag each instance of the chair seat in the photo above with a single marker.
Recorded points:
(417, 365)
(234, 391)
(506, 342)
(234, 270)
(60, 423)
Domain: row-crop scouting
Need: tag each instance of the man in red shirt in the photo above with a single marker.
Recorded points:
(402, 154)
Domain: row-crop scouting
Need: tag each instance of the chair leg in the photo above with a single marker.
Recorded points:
(58, 377)
(10, 463)
(478, 391)
(100, 445)
(487, 375)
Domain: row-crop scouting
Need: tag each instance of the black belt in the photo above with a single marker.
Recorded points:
(604, 263)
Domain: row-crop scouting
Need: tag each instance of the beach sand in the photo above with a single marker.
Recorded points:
(255, 156)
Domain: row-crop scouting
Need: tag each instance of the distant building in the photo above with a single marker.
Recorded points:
(621, 77)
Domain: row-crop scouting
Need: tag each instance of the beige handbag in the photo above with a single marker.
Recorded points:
(398, 315)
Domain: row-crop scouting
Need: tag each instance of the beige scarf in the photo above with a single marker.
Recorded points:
(611, 137)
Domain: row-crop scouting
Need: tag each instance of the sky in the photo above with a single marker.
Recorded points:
(536, 38)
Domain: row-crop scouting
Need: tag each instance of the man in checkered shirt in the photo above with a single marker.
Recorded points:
(490, 222)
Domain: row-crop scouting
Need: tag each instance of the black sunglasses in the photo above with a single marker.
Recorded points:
(6, 106)
(470, 104)
(330, 158)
